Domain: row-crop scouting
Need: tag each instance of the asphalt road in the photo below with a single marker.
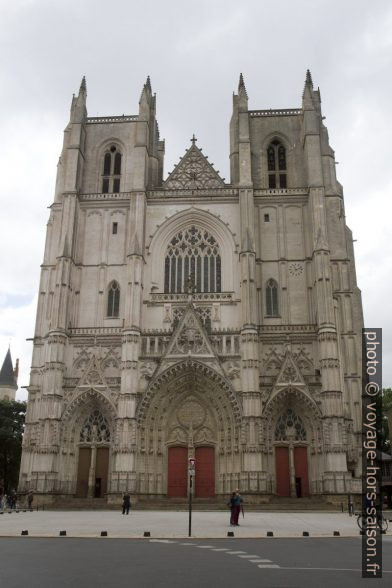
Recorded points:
(104, 562)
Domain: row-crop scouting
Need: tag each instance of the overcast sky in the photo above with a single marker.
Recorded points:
(194, 52)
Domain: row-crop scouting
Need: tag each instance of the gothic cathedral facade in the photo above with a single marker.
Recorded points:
(191, 317)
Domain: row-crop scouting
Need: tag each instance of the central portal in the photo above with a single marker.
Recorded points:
(177, 484)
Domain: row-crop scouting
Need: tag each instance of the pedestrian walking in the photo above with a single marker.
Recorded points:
(126, 505)
(30, 498)
(230, 504)
(238, 503)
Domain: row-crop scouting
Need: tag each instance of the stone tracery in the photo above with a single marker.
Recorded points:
(95, 429)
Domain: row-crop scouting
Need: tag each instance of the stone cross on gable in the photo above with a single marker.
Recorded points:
(193, 140)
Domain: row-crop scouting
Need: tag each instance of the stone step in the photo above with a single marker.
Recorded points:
(198, 504)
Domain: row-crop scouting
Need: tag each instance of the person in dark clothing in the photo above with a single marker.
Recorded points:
(230, 504)
(237, 508)
(126, 505)
(30, 498)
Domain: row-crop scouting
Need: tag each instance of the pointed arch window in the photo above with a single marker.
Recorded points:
(95, 429)
(113, 300)
(290, 426)
(276, 163)
(193, 253)
(111, 170)
(271, 298)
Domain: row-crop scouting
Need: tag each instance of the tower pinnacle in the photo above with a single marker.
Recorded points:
(241, 86)
(83, 86)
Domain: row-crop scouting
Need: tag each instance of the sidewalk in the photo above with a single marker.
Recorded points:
(167, 524)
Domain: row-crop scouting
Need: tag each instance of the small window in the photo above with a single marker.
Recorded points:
(271, 295)
(266, 218)
(276, 163)
(113, 300)
(114, 228)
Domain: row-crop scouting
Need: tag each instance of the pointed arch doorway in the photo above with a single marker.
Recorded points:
(93, 462)
(188, 411)
(291, 456)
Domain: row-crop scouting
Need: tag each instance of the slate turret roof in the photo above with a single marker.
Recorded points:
(7, 376)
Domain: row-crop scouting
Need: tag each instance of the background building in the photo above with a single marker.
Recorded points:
(8, 378)
(194, 317)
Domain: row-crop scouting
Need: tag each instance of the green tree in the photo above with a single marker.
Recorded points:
(12, 418)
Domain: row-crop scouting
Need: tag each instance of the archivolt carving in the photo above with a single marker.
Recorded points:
(89, 396)
(301, 403)
(194, 372)
(86, 403)
(293, 394)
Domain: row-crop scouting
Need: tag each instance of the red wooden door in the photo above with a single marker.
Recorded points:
(177, 472)
(301, 468)
(282, 471)
(83, 471)
(205, 472)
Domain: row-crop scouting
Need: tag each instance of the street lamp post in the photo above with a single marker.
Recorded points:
(191, 472)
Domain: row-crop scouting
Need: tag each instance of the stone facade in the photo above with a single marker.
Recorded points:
(193, 317)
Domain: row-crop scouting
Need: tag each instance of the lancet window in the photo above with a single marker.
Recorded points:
(193, 261)
(271, 298)
(95, 429)
(111, 170)
(113, 300)
(276, 160)
(290, 426)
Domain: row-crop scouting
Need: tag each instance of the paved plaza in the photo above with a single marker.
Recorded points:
(167, 524)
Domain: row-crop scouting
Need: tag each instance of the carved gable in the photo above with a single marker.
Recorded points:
(93, 376)
(194, 172)
(289, 374)
(190, 337)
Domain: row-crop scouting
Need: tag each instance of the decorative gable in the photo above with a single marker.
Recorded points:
(93, 377)
(289, 374)
(190, 337)
(194, 172)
